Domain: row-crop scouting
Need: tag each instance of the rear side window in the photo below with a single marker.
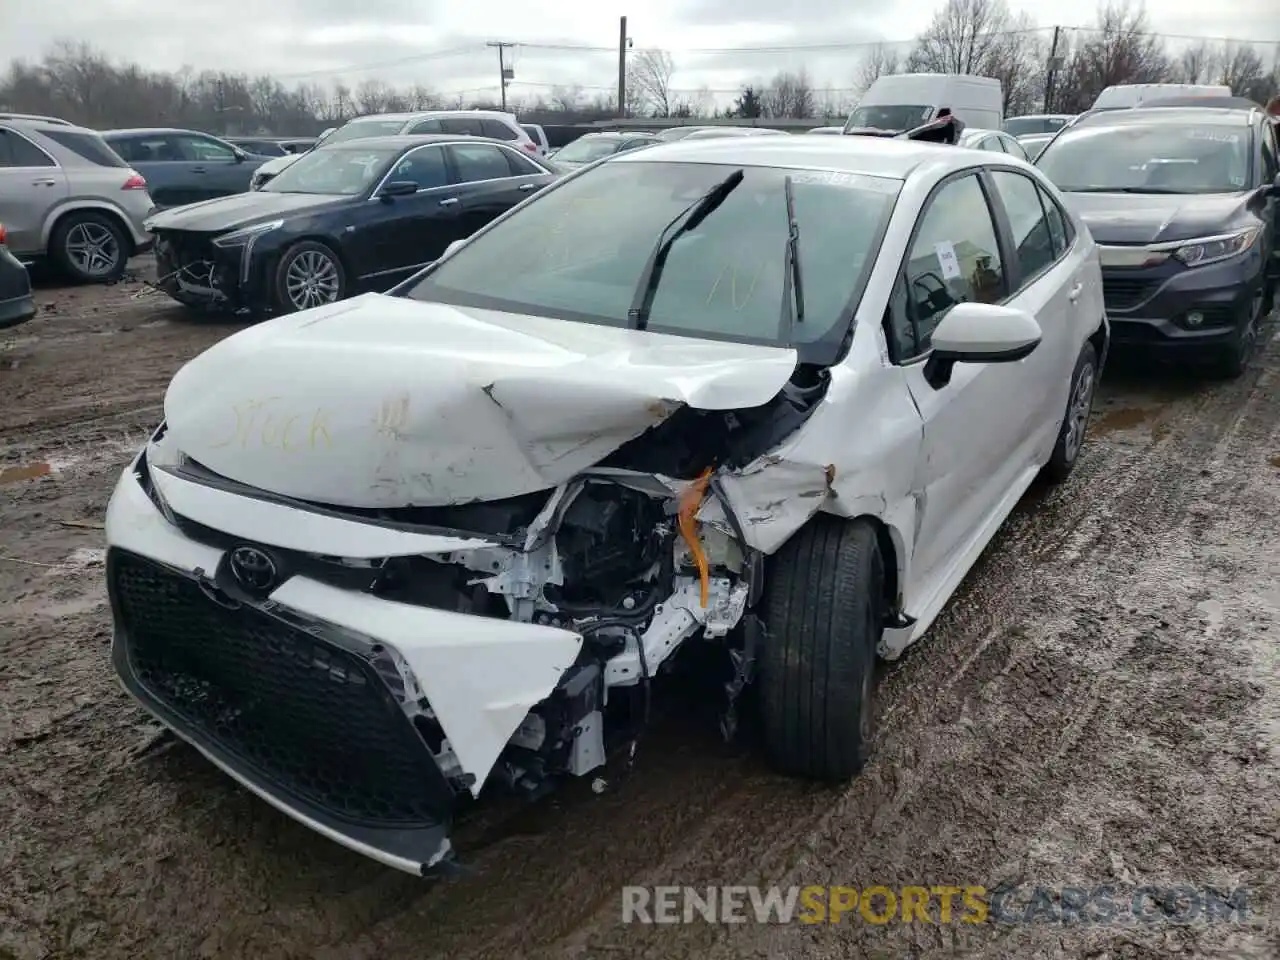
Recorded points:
(466, 126)
(88, 146)
(17, 151)
(426, 126)
(1059, 225)
(480, 161)
(1032, 240)
(148, 149)
(499, 130)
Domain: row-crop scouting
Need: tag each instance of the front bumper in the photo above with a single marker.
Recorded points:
(17, 304)
(1149, 307)
(290, 694)
(193, 271)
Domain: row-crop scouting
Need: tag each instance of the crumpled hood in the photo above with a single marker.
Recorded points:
(1130, 218)
(382, 402)
(276, 164)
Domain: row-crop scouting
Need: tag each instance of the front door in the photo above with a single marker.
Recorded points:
(972, 424)
(216, 169)
(31, 185)
(404, 233)
(489, 180)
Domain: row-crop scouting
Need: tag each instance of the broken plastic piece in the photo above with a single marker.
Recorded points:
(690, 502)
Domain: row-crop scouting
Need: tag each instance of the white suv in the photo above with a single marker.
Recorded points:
(473, 123)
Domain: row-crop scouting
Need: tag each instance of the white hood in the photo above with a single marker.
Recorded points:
(276, 164)
(382, 402)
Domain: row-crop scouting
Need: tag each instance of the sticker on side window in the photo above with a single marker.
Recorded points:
(948, 262)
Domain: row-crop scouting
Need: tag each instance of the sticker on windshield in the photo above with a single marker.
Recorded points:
(834, 178)
(1216, 136)
(948, 262)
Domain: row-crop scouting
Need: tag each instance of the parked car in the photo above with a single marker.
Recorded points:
(259, 146)
(299, 144)
(773, 394)
(538, 136)
(1183, 202)
(17, 305)
(35, 116)
(590, 147)
(182, 166)
(1123, 95)
(715, 133)
(1035, 124)
(1034, 143)
(346, 218)
(829, 131)
(67, 197)
(903, 101)
(469, 123)
(995, 140)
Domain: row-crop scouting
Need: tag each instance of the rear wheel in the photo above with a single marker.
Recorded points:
(89, 247)
(1075, 423)
(308, 275)
(824, 604)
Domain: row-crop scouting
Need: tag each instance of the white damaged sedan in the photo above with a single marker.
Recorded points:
(773, 395)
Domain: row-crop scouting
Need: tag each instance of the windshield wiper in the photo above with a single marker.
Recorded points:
(792, 289)
(684, 221)
(1123, 190)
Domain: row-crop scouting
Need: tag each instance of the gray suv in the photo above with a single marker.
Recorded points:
(67, 197)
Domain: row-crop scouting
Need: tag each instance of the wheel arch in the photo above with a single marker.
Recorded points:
(325, 240)
(59, 214)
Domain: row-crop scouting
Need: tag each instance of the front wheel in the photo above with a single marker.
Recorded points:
(1237, 356)
(1084, 382)
(824, 616)
(308, 275)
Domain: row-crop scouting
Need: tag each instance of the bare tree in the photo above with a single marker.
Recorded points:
(649, 75)
(789, 95)
(1196, 64)
(566, 99)
(373, 96)
(964, 36)
(1018, 59)
(1241, 68)
(1120, 49)
(881, 60)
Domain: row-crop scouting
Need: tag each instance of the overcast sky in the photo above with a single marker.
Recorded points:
(441, 44)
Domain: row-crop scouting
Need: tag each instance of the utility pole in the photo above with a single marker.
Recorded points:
(622, 67)
(1052, 75)
(505, 73)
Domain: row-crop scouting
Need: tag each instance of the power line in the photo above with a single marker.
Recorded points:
(474, 48)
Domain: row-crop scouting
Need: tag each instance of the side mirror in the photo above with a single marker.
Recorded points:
(241, 156)
(397, 188)
(980, 333)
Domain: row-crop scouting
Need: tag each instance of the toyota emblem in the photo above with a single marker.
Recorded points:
(253, 569)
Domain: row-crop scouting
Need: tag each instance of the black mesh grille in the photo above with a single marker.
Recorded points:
(299, 711)
(1120, 293)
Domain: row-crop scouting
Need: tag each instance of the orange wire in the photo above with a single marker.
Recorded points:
(690, 501)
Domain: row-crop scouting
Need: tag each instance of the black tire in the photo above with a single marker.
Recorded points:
(90, 247)
(299, 259)
(1075, 419)
(1235, 359)
(824, 616)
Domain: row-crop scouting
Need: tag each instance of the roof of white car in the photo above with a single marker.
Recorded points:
(428, 114)
(870, 156)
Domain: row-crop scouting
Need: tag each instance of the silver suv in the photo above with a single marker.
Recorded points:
(68, 197)
(474, 123)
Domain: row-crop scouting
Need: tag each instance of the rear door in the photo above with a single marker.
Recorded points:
(216, 169)
(489, 180)
(159, 158)
(31, 185)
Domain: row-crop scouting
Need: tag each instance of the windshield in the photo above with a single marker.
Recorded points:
(1021, 126)
(586, 149)
(1149, 158)
(890, 117)
(578, 253)
(360, 129)
(340, 171)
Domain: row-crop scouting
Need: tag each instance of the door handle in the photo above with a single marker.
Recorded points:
(526, 187)
(44, 183)
(199, 170)
(1074, 293)
(449, 202)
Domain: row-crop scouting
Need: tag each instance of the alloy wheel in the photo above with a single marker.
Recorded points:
(312, 280)
(93, 249)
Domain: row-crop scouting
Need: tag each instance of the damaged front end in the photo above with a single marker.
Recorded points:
(367, 668)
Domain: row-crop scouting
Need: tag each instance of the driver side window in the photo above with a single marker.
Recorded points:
(954, 258)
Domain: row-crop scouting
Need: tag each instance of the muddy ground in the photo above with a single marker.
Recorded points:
(1100, 704)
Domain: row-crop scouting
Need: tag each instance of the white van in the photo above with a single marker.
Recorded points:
(904, 101)
(1124, 95)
